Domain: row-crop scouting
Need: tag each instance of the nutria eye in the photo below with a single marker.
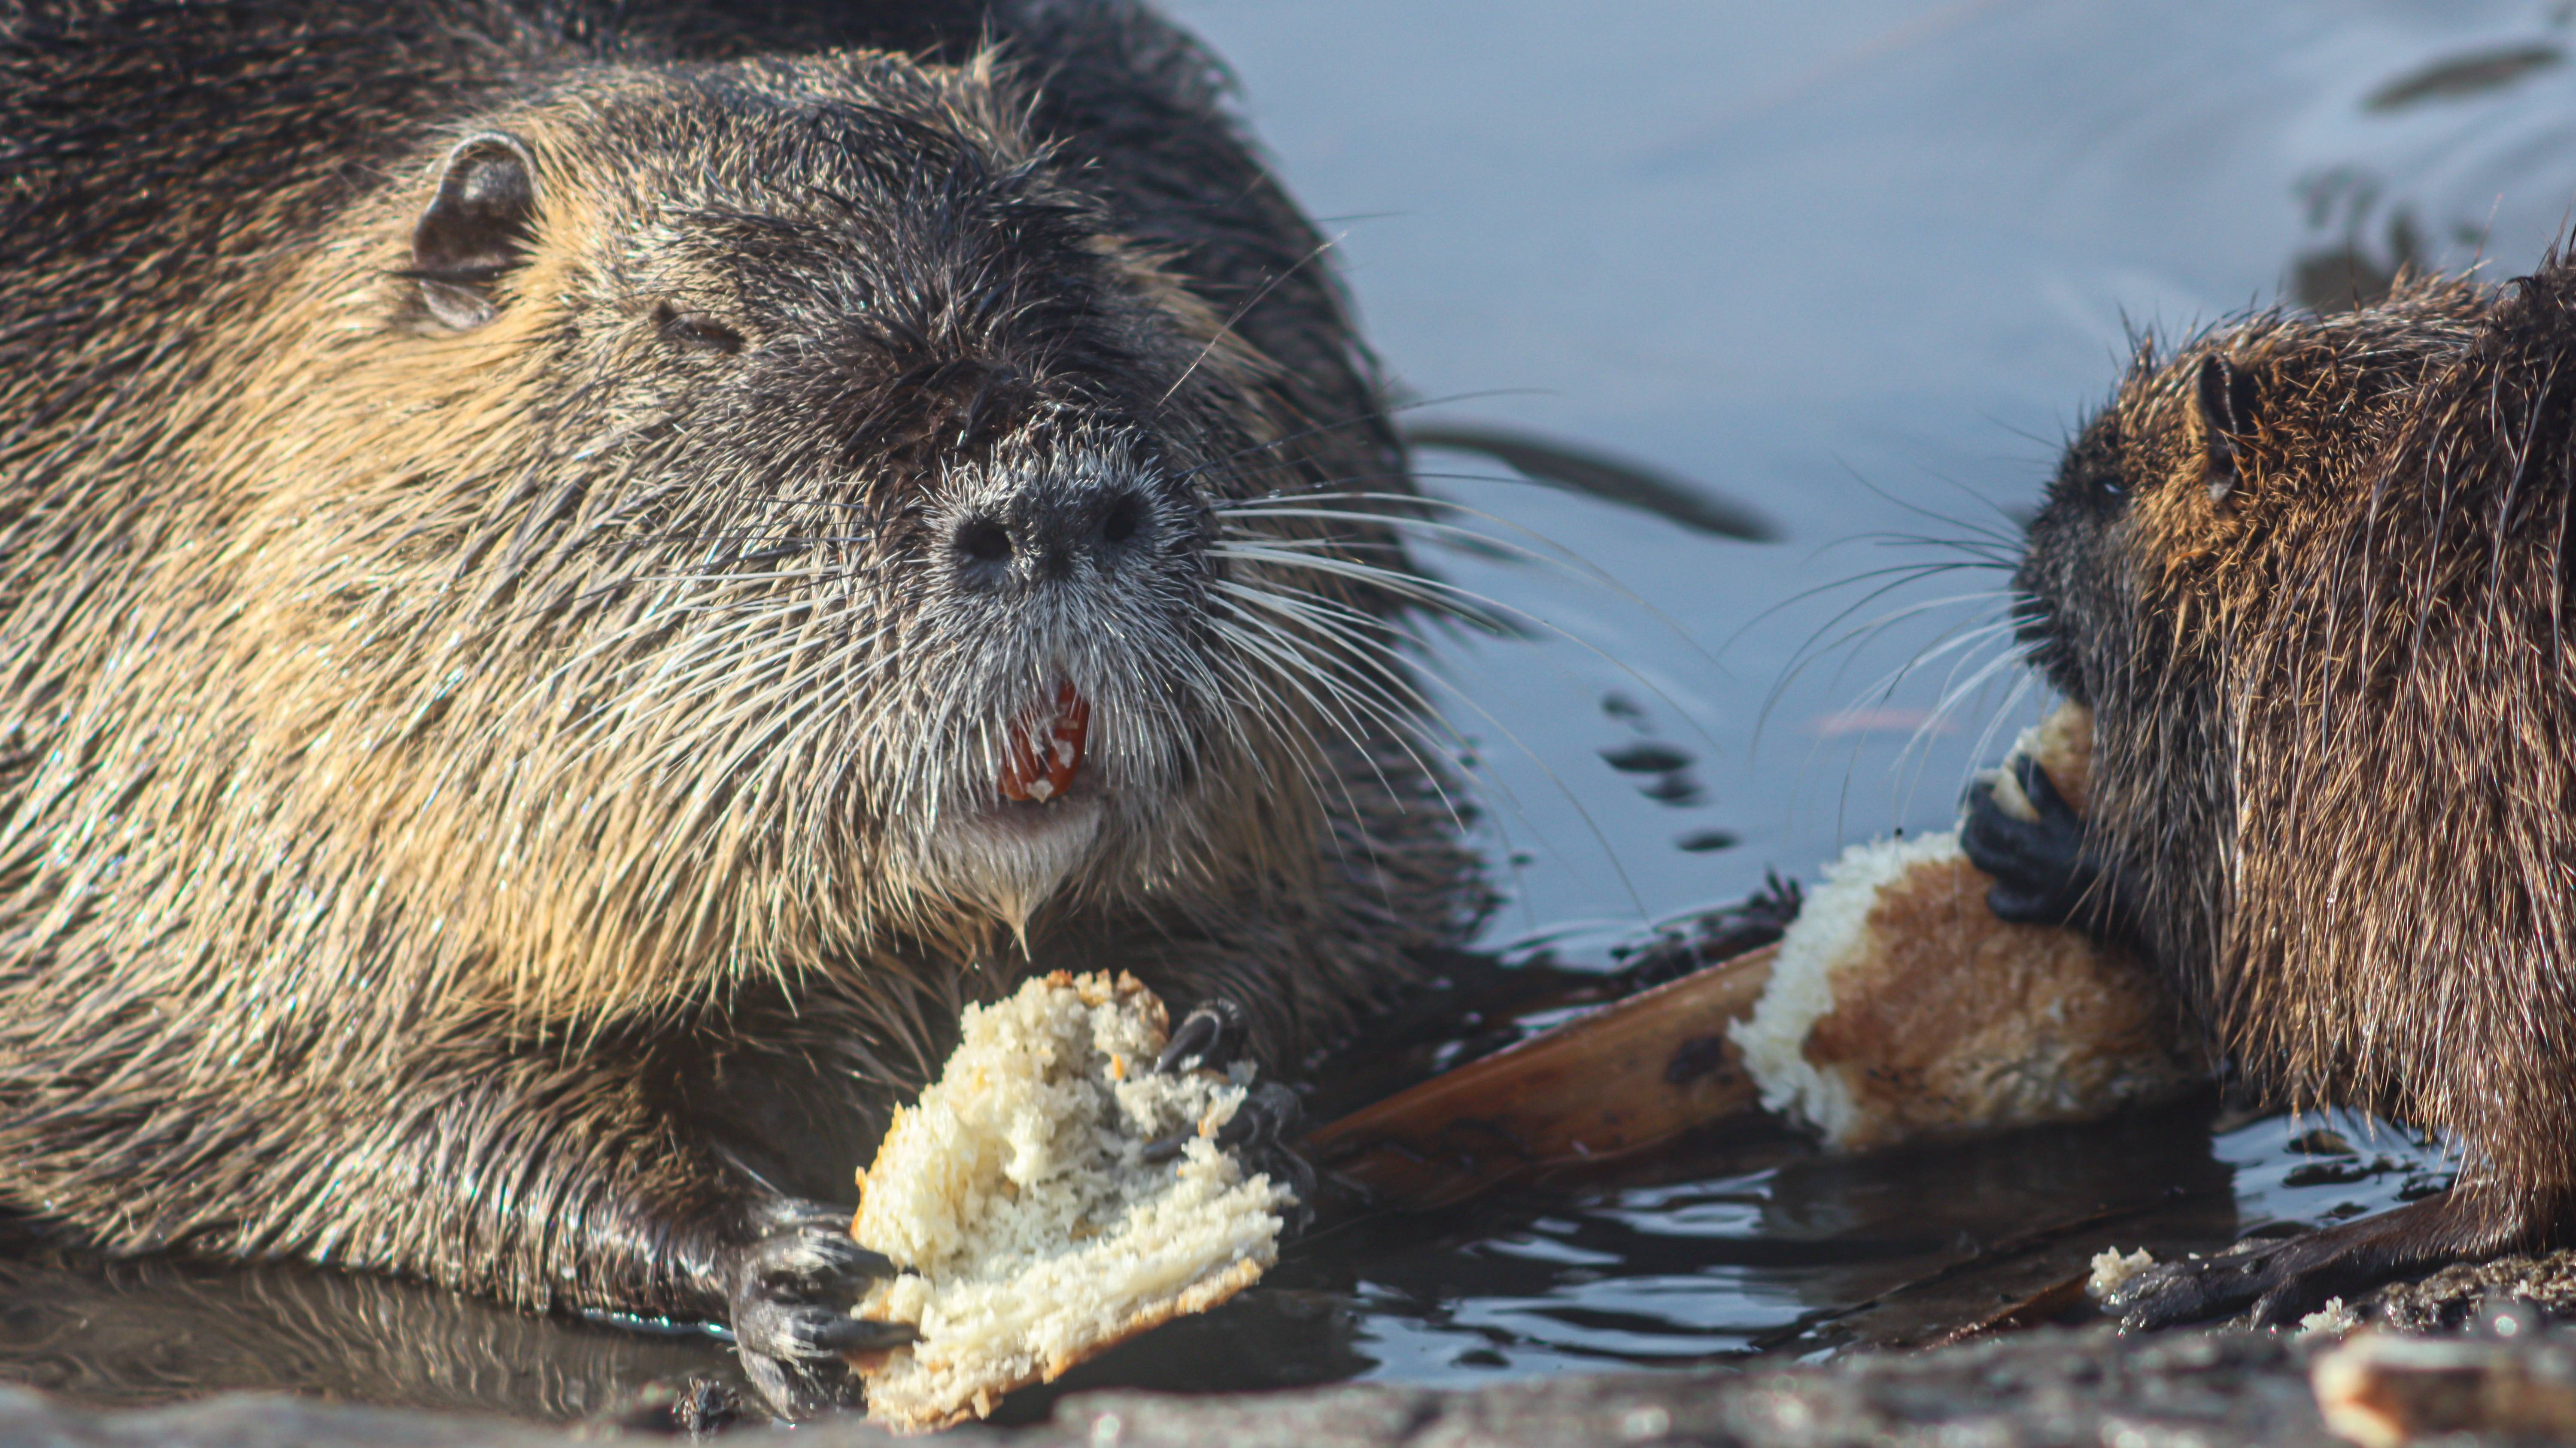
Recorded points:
(696, 331)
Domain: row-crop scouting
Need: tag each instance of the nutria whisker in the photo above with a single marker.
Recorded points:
(1818, 646)
(1344, 709)
(1225, 331)
(1271, 599)
(1962, 638)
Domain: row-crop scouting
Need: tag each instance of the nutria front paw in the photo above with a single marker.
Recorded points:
(1210, 1038)
(1262, 1134)
(791, 1290)
(2286, 1280)
(2043, 875)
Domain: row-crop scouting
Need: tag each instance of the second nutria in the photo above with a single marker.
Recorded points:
(576, 576)
(2312, 575)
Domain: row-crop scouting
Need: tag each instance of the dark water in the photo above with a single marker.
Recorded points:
(1860, 266)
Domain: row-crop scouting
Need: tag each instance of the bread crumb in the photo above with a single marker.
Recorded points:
(2335, 1319)
(2112, 1271)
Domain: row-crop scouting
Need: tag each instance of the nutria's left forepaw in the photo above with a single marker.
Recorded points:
(1260, 1135)
(2042, 875)
(1267, 1118)
(1209, 1038)
(791, 1290)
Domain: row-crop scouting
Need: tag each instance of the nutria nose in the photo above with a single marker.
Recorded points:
(1049, 532)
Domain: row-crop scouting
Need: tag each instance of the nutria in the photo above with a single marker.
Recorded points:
(2311, 574)
(576, 575)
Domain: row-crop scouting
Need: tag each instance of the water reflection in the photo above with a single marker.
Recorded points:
(132, 1333)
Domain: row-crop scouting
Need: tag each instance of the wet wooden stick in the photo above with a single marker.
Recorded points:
(1624, 1080)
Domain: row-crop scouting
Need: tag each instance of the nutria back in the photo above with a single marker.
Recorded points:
(2311, 574)
(576, 578)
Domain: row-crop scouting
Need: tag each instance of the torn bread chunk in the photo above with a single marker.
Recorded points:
(2063, 745)
(1899, 1008)
(1018, 1195)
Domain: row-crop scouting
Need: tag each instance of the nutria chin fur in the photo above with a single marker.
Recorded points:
(2312, 574)
(532, 533)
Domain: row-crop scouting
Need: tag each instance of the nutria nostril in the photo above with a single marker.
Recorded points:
(1125, 516)
(984, 540)
(1050, 531)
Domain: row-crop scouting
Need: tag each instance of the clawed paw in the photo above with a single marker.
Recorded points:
(2283, 1281)
(792, 1289)
(2043, 876)
(1210, 1038)
(1259, 1133)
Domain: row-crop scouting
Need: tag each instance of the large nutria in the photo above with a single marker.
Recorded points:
(2312, 574)
(576, 575)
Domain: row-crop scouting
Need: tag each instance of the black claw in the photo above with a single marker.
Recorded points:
(2041, 790)
(1209, 1038)
(855, 1334)
(1258, 1135)
(1267, 1117)
(812, 1266)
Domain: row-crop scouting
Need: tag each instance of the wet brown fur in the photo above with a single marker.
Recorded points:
(448, 825)
(2336, 761)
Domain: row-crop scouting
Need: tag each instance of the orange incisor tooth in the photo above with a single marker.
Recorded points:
(1039, 769)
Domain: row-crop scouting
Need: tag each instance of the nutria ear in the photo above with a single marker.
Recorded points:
(2226, 397)
(476, 229)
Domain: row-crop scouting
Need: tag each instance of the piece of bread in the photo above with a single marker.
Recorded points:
(1018, 1196)
(1899, 1008)
(2063, 745)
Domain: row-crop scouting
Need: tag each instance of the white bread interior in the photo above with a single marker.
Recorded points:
(1017, 1195)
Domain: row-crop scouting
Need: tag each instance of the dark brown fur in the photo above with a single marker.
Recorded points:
(485, 754)
(2316, 594)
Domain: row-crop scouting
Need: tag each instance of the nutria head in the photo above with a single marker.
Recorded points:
(740, 516)
(2174, 498)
